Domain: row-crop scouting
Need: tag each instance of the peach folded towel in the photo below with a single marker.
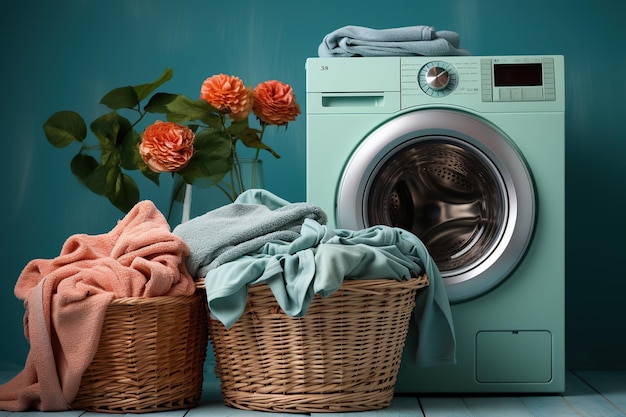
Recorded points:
(66, 299)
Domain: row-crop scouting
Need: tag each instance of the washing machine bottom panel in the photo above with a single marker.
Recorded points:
(508, 341)
(511, 361)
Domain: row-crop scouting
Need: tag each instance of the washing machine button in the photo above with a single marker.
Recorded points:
(532, 94)
(505, 94)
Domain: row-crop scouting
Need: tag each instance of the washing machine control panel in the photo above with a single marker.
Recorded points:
(386, 85)
(515, 82)
(518, 79)
(494, 79)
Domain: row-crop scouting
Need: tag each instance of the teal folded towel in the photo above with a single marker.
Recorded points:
(315, 260)
(403, 41)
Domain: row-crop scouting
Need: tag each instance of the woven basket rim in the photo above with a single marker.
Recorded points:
(364, 284)
(356, 284)
(153, 300)
(371, 286)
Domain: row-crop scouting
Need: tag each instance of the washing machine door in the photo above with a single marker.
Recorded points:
(455, 181)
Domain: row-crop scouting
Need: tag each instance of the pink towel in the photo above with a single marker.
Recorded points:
(66, 300)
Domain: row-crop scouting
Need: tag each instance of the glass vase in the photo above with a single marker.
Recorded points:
(251, 175)
(194, 200)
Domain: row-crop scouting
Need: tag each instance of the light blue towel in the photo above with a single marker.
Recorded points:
(316, 262)
(404, 41)
(226, 233)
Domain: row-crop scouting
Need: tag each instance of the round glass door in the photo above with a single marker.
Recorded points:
(454, 181)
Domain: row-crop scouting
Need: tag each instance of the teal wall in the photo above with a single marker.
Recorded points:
(66, 54)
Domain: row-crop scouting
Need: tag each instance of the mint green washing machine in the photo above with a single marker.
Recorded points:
(468, 154)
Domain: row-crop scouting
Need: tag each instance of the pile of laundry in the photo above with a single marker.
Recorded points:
(261, 238)
(66, 300)
(258, 239)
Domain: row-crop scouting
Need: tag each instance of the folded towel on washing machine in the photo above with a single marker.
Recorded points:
(316, 262)
(403, 41)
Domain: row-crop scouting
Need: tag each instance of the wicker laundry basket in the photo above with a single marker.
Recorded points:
(150, 356)
(342, 356)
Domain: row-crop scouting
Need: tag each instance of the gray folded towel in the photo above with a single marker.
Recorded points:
(404, 41)
(229, 232)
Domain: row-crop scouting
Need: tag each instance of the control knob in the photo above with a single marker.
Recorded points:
(437, 78)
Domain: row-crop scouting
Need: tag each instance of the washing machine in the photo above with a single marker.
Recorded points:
(468, 154)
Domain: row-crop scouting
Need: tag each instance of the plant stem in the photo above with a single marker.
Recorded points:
(141, 115)
(256, 157)
(225, 191)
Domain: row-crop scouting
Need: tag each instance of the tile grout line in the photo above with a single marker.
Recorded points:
(419, 403)
(581, 378)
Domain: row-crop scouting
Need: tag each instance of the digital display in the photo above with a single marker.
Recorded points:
(517, 75)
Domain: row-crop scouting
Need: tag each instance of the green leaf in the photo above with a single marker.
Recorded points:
(238, 127)
(111, 129)
(183, 109)
(121, 98)
(209, 140)
(122, 190)
(125, 129)
(105, 128)
(252, 139)
(106, 180)
(65, 127)
(144, 90)
(129, 97)
(96, 181)
(146, 171)
(129, 150)
(131, 158)
(111, 157)
(83, 166)
(211, 161)
(158, 102)
(150, 174)
(205, 171)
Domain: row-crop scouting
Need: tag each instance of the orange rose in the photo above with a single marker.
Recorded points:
(228, 94)
(166, 146)
(275, 103)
